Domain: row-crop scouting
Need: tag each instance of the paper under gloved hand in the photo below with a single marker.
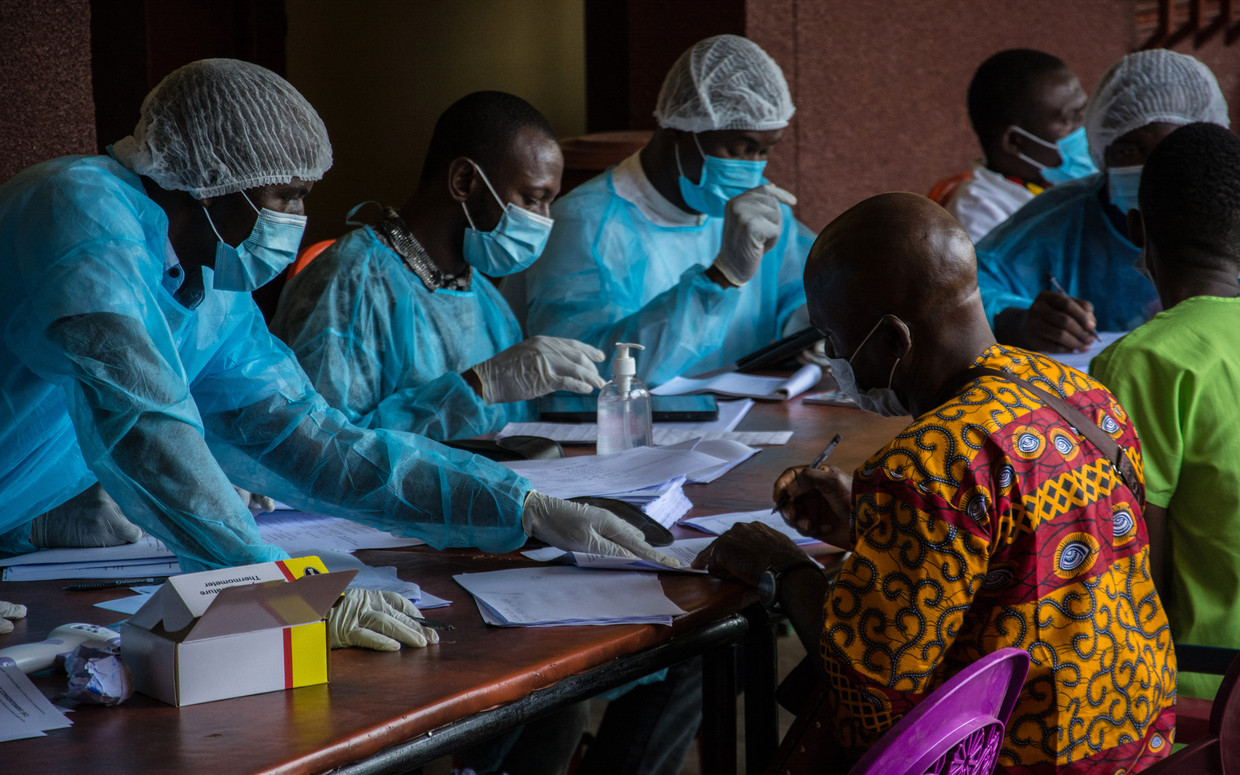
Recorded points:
(576, 527)
(538, 366)
(90, 519)
(376, 620)
(10, 611)
(751, 226)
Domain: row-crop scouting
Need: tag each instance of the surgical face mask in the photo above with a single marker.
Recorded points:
(1123, 183)
(271, 246)
(1074, 159)
(878, 400)
(722, 179)
(515, 242)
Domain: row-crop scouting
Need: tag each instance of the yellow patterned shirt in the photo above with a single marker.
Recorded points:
(988, 523)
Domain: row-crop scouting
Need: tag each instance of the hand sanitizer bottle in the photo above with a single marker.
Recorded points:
(623, 406)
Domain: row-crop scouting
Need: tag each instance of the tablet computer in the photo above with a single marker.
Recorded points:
(570, 407)
(779, 354)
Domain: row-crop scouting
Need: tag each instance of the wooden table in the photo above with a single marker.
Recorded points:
(388, 712)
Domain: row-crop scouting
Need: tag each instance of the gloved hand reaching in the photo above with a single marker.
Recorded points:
(257, 504)
(538, 366)
(91, 519)
(376, 620)
(576, 527)
(10, 611)
(752, 223)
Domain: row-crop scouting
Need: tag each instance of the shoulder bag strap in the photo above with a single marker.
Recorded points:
(1088, 428)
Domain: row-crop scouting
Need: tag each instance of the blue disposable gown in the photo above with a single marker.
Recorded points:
(1065, 232)
(386, 351)
(105, 376)
(609, 274)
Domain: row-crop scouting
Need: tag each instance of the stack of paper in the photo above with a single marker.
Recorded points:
(749, 385)
(730, 415)
(295, 532)
(683, 549)
(24, 711)
(664, 503)
(560, 596)
(614, 476)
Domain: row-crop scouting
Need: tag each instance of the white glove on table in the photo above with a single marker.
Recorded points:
(575, 527)
(538, 366)
(752, 223)
(10, 611)
(376, 620)
(91, 519)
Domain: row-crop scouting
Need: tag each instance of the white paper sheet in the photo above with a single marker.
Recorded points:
(24, 711)
(299, 533)
(608, 475)
(93, 570)
(1080, 361)
(718, 524)
(558, 595)
(749, 385)
(147, 547)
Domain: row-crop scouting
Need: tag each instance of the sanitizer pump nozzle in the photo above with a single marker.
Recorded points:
(624, 366)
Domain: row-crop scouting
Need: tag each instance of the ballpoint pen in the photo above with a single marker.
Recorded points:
(113, 584)
(1059, 289)
(822, 458)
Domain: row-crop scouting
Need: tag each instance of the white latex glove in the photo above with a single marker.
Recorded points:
(376, 620)
(751, 225)
(10, 611)
(91, 519)
(257, 504)
(538, 366)
(576, 527)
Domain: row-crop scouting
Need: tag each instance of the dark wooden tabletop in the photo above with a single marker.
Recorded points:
(376, 700)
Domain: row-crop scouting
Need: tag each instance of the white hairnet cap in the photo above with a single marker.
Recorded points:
(217, 126)
(1150, 87)
(724, 82)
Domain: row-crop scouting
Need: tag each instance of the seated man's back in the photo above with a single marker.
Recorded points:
(1179, 375)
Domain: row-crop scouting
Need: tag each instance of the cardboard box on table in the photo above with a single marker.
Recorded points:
(235, 631)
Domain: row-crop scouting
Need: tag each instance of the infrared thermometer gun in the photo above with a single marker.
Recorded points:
(33, 657)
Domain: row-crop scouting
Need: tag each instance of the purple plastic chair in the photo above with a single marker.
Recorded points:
(958, 729)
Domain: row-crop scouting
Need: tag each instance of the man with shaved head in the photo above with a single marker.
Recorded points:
(993, 520)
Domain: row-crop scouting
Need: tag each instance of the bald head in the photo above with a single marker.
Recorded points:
(894, 281)
(894, 253)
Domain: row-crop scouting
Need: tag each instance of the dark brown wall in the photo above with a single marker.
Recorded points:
(45, 101)
(880, 87)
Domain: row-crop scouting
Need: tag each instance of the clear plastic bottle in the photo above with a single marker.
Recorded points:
(623, 406)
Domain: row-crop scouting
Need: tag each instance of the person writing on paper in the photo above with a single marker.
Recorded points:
(684, 247)
(1178, 376)
(1026, 108)
(1076, 233)
(397, 324)
(135, 357)
(988, 522)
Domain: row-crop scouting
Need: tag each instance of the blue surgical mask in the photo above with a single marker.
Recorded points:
(1123, 183)
(270, 248)
(882, 401)
(516, 241)
(1074, 159)
(722, 179)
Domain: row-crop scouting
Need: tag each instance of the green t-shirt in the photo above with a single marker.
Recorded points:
(1178, 376)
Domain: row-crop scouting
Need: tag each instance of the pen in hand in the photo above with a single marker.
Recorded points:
(1055, 286)
(818, 461)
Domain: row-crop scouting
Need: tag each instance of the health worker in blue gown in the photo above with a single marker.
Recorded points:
(134, 356)
(396, 324)
(684, 247)
(1063, 266)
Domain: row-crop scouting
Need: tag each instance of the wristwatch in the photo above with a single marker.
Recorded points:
(768, 582)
